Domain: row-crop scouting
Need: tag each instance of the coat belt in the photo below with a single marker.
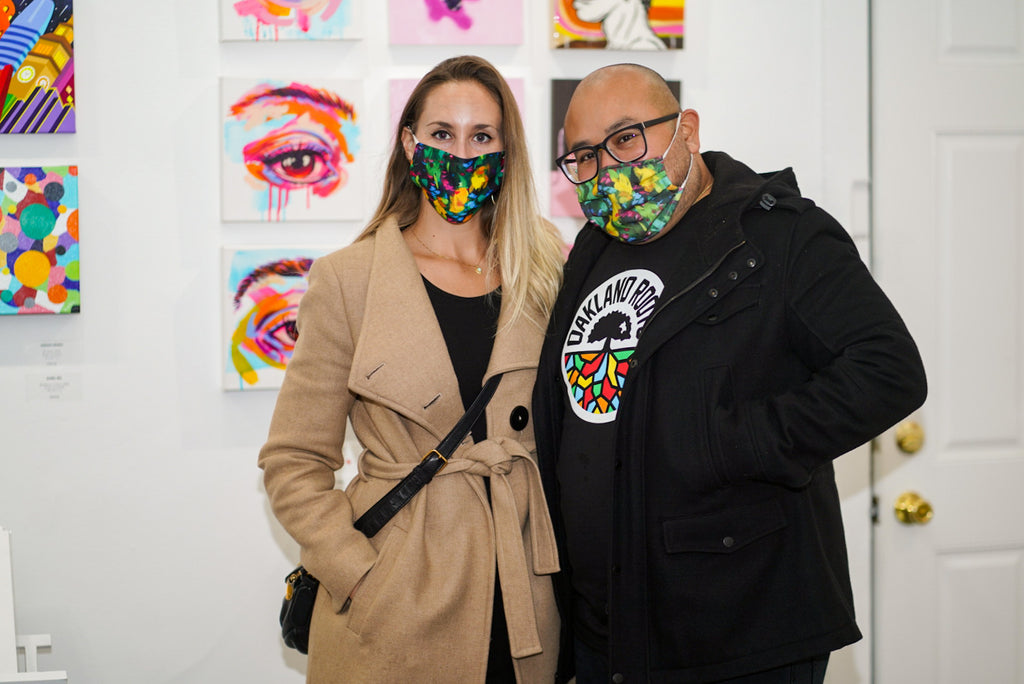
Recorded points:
(495, 458)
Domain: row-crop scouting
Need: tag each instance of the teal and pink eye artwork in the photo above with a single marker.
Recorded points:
(37, 66)
(455, 22)
(263, 290)
(39, 240)
(618, 24)
(274, 20)
(291, 150)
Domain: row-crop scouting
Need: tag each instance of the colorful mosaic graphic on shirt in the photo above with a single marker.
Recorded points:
(602, 339)
(596, 379)
(37, 66)
(39, 240)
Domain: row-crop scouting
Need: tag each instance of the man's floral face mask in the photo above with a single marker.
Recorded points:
(456, 187)
(632, 202)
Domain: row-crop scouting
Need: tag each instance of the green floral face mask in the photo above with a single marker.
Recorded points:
(456, 187)
(632, 202)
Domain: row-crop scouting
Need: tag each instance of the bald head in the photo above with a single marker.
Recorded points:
(615, 96)
(608, 80)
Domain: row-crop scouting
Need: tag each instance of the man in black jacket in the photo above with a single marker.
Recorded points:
(716, 344)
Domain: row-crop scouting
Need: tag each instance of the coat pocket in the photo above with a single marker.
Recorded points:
(364, 603)
(740, 299)
(725, 532)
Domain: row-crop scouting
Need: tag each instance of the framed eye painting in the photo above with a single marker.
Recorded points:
(262, 290)
(291, 150)
(278, 20)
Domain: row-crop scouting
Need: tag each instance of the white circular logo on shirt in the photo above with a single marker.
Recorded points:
(602, 337)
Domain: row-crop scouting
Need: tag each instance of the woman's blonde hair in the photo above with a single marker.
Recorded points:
(527, 248)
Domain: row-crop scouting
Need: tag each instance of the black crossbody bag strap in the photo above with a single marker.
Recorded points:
(371, 522)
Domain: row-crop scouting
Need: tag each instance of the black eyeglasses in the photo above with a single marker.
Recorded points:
(624, 145)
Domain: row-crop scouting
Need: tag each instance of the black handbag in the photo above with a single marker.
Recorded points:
(301, 587)
(297, 608)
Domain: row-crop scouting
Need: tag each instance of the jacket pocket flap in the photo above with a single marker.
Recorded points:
(723, 532)
(741, 298)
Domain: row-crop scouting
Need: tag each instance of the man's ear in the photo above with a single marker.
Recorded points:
(689, 130)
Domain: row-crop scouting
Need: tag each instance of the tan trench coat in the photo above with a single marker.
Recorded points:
(371, 349)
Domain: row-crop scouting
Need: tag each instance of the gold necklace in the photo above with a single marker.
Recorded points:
(478, 269)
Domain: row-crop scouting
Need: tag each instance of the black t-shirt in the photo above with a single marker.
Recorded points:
(618, 297)
(468, 325)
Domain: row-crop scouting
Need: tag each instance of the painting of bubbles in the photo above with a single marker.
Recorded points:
(39, 263)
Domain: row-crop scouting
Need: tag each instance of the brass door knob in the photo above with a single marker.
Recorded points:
(909, 437)
(911, 509)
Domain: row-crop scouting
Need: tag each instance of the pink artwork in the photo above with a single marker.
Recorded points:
(455, 22)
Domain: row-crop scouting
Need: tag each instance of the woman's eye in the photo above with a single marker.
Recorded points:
(482, 138)
(441, 135)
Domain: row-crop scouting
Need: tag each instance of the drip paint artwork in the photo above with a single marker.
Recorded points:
(291, 151)
(39, 240)
(274, 20)
(455, 22)
(264, 287)
(618, 24)
(37, 66)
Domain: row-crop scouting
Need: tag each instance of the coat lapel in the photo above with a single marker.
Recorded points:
(516, 347)
(401, 359)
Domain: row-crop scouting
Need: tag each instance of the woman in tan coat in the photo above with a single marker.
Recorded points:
(451, 283)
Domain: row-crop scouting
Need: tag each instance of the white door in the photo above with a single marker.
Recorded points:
(948, 241)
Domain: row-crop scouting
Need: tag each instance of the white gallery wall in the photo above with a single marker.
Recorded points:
(142, 540)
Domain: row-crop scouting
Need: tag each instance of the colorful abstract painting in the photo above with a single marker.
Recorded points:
(563, 193)
(618, 24)
(455, 22)
(37, 66)
(271, 20)
(263, 290)
(291, 150)
(401, 88)
(39, 240)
